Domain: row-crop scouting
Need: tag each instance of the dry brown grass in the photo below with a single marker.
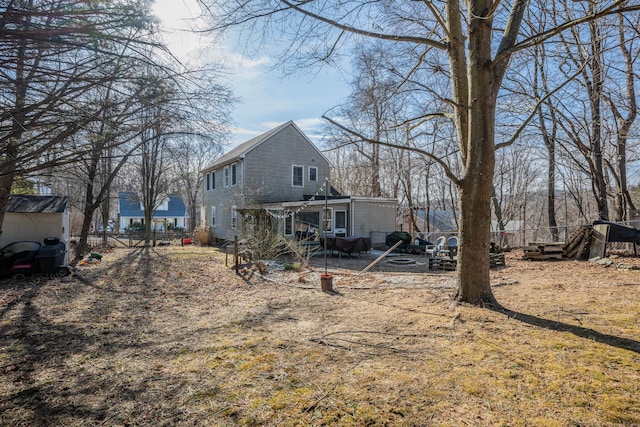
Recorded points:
(170, 336)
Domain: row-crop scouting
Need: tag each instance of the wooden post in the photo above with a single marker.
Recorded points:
(235, 254)
(599, 238)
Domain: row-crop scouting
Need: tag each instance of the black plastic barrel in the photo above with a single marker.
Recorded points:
(50, 257)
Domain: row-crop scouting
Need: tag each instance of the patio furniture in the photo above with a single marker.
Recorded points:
(435, 250)
(452, 246)
(347, 245)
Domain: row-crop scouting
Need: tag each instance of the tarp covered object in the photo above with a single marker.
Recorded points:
(348, 245)
(620, 233)
(397, 236)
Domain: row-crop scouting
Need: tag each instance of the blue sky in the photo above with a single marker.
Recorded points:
(266, 98)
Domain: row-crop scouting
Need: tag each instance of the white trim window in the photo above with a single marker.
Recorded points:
(234, 174)
(213, 180)
(213, 216)
(226, 176)
(289, 223)
(297, 176)
(208, 182)
(313, 174)
(234, 217)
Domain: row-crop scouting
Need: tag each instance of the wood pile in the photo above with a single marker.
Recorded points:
(578, 243)
(576, 247)
(496, 260)
(544, 250)
(449, 264)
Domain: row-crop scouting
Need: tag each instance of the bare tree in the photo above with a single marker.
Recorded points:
(113, 140)
(200, 130)
(369, 109)
(155, 96)
(623, 105)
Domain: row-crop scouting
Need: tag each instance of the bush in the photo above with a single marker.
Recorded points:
(136, 227)
(203, 236)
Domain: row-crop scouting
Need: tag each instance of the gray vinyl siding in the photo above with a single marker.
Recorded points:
(223, 198)
(370, 216)
(268, 168)
(264, 175)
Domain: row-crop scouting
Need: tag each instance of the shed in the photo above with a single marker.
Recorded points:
(35, 218)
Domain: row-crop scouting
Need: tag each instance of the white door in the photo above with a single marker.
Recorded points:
(340, 222)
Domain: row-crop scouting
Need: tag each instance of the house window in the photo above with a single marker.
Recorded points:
(213, 216)
(328, 219)
(309, 220)
(340, 222)
(234, 172)
(226, 176)
(234, 217)
(313, 174)
(164, 205)
(297, 176)
(213, 180)
(208, 182)
(289, 220)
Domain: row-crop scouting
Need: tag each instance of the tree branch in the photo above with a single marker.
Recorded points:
(533, 112)
(613, 9)
(381, 36)
(433, 157)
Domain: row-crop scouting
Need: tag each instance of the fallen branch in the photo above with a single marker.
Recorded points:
(379, 258)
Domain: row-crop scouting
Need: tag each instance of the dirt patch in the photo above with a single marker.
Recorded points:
(172, 336)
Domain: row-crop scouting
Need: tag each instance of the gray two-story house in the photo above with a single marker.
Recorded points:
(280, 179)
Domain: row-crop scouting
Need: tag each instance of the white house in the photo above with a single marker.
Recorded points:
(171, 213)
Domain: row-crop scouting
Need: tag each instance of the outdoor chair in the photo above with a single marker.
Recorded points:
(452, 247)
(433, 251)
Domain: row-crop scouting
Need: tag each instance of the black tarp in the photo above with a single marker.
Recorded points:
(397, 236)
(620, 233)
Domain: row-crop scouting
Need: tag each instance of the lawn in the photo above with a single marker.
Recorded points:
(172, 336)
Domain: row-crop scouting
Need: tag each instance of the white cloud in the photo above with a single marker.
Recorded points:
(309, 124)
(266, 99)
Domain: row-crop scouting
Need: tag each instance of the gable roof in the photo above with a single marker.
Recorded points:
(129, 205)
(241, 150)
(443, 220)
(26, 203)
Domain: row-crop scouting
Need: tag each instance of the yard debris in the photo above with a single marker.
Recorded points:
(601, 261)
(93, 258)
(544, 251)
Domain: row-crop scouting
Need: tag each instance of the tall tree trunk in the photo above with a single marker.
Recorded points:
(475, 207)
(376, 187)
(551, 190)
(626, 207)
(549, 140)
(89, 205)
(9, 164)
(497, 209)
(595, 95)
(478, 159)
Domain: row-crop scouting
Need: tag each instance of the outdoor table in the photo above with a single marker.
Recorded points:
(348, 245)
